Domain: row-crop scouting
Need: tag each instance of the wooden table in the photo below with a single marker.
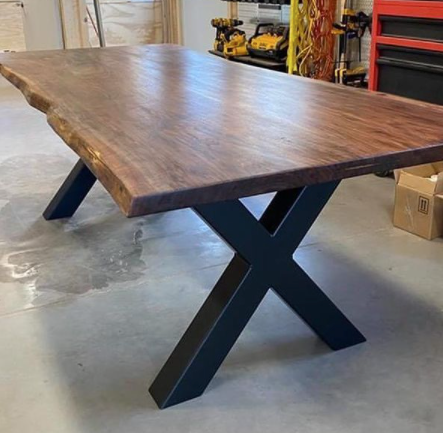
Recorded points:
(162, 128)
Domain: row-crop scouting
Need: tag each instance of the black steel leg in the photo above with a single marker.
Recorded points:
(263, 260)
(306, 299)
(210, 336)
(298, 210)
(71, 193)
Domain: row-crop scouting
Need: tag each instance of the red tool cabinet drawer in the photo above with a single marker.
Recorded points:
(407, 49)
(409, 72)
(411, 27)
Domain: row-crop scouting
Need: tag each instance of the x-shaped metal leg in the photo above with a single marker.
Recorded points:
(71, 194)
(262, 260)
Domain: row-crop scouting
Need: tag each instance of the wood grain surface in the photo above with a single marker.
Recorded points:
(163, 127)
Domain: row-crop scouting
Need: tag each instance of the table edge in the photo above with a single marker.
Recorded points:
(133, 205)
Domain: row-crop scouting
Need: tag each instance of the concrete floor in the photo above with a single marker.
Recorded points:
(90, 309)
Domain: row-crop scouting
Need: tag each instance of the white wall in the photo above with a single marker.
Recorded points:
(198, 33)
(42, 24)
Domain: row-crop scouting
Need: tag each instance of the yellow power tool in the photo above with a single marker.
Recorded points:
(270, 41)
(353, 26)
(229, 40)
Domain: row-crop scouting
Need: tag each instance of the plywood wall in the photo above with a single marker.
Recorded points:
(126, 22)
(11, 26)
(129, 22)
(75, 27)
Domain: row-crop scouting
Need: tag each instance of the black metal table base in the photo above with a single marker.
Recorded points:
(71, 194)
(263, 260)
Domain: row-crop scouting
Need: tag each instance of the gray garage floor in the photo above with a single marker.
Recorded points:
(90, 309)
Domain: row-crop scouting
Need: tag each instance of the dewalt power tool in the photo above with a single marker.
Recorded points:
(229, 40)
(346, 76)
(270, 41)
(353, 25)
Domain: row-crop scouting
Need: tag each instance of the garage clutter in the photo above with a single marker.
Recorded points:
(419, 200)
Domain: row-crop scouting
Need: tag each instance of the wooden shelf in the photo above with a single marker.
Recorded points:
(254, 61)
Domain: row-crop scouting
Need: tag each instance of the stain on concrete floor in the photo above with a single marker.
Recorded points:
(40, 254)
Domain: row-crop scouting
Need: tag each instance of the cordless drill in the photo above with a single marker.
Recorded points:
(226, 31)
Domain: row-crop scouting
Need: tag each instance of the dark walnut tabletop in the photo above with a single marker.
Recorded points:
(163, 127)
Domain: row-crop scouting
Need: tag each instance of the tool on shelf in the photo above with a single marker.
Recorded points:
(270, 41)
(229, 40)
(353, 25)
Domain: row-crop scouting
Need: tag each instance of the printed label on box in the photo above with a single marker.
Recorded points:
(423, 205)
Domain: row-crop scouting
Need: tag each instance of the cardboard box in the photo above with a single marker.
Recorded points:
(419, 200)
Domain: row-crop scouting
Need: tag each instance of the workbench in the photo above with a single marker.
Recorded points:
(163, 128)
(254, 61)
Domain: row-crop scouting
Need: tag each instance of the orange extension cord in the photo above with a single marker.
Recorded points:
(312, 44)
(323, 41)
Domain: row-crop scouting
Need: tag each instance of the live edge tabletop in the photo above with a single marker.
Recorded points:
(163, 127)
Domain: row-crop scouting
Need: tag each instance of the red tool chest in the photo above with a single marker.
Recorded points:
(407, 49)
